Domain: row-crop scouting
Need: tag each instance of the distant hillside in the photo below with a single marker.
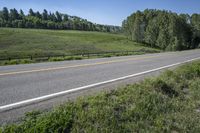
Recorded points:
(17, 42)
(48, 20)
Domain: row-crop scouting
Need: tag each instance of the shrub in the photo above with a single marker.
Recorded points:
(56, 59)
(69, 58)
(78, 58)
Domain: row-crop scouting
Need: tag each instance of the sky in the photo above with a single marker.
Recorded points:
(111, 12)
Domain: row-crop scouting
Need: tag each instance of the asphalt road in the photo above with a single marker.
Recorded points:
(20, 83)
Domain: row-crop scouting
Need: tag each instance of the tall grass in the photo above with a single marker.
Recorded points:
(168, 103)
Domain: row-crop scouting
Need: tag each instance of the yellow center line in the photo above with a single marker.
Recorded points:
(73, 66)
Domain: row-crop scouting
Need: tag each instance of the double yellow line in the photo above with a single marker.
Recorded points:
(73, 66)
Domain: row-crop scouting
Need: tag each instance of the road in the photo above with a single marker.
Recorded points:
(23, 85)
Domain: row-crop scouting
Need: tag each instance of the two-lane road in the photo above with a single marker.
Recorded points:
(26, 84)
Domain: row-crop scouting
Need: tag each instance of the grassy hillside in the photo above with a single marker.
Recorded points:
(168, 103)
(23, 42)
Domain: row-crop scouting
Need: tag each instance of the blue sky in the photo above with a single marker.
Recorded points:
(111, 12)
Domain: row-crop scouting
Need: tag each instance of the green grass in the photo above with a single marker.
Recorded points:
(66, 58)
(25, 42)
(15, 62)
(168, 103)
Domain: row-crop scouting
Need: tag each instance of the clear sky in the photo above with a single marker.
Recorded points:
(111, 12)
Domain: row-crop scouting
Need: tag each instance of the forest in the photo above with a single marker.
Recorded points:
(47, 20)
(164, 29)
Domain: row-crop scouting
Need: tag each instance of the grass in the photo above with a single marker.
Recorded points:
(66, 58)
(15, 62)
(22, 43)
(72, 57)
(168, 103)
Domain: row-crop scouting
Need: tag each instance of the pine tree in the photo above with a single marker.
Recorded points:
(31, 13)
(45, 15)
(5, 14)
(58, 16)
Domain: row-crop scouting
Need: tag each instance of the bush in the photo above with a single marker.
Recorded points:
(11, 62)
(107, 55)
(26, 61)
(16, 62)
(65, 58)
(78, 58)
(69, 58)
(56, 59)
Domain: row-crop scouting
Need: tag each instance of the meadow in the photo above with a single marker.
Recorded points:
(26, 43)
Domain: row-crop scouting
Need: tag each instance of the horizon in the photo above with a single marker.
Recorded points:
(102, 12)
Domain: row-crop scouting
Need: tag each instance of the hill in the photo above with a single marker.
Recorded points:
(16, 42)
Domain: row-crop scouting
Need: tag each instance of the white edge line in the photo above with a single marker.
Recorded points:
(42, 98)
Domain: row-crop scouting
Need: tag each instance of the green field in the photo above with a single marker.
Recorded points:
(34, 42)
(168, 103)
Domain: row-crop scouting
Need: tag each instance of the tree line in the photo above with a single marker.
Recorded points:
(164, 29)
(47, 20)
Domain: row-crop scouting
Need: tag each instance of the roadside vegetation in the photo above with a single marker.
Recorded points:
(32, 43)
(168, 103)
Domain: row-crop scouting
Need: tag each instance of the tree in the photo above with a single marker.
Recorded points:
(5, 14)
(151, 33)
(52, 17)
(38, 15)
(163, 29)
(195, 22)
(51, 25)
(14, 15)
(21, 14)
(45, 15)
(65, 17)
(45, 20)
(138, 27)
(186, 18)
(21, 24)
(1, 19)
(31, 13)
(58, 16)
